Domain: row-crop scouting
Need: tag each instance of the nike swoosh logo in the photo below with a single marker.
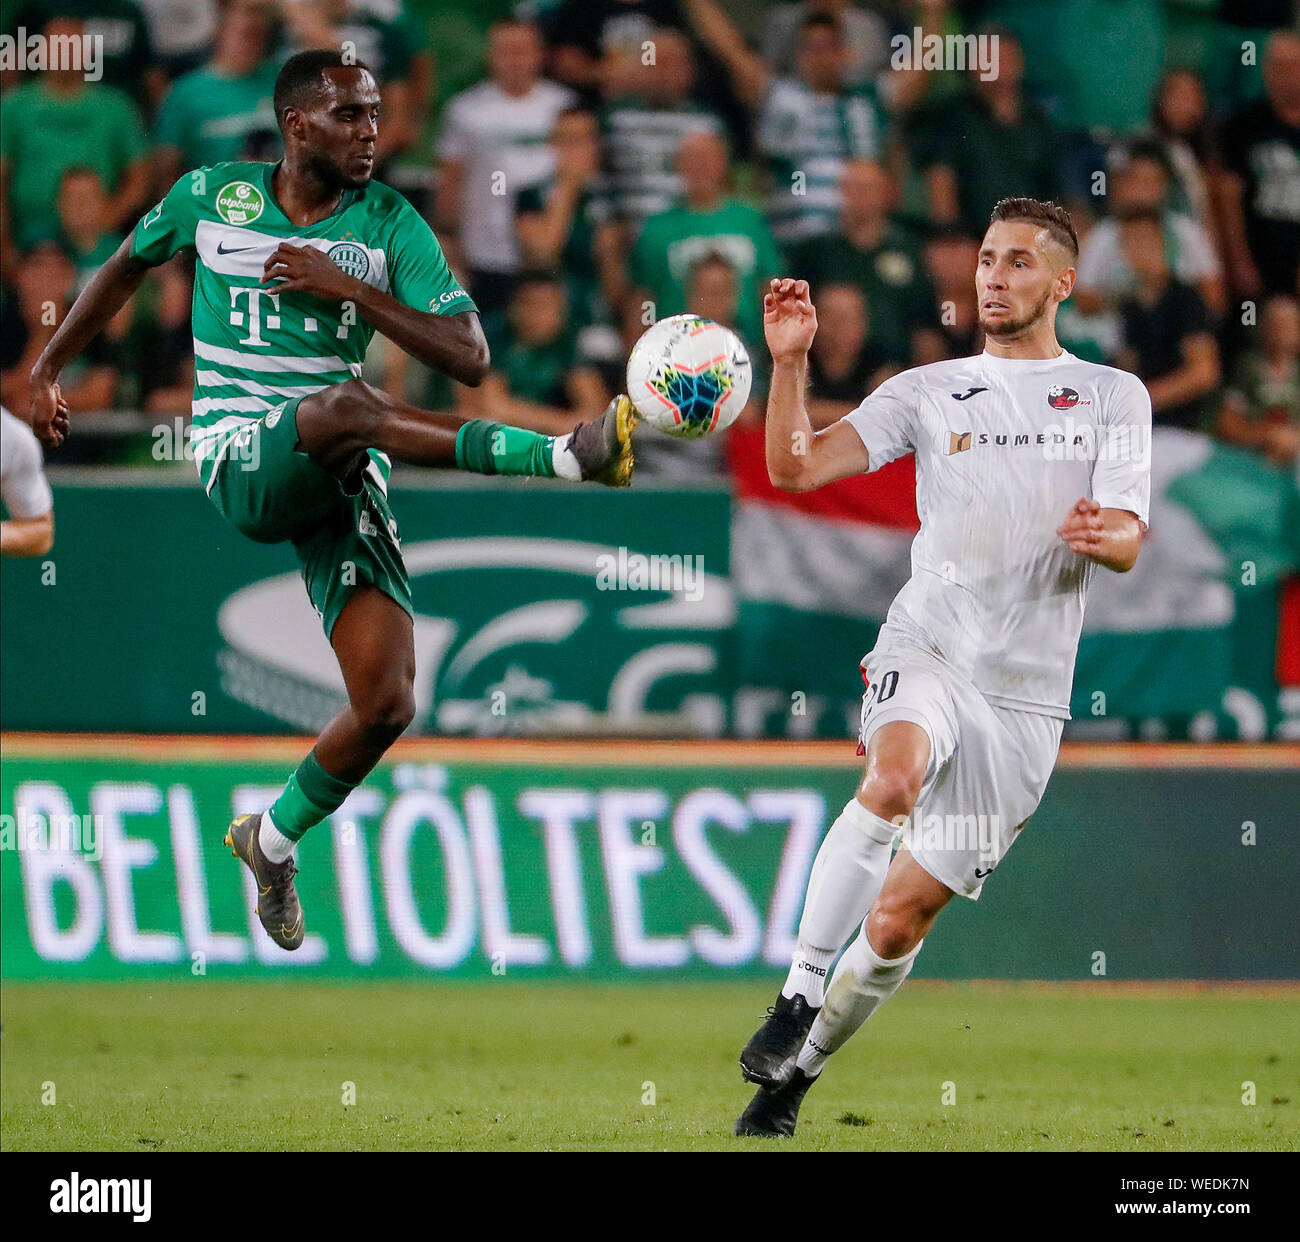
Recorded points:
(232, 249)
(959, 396)
(979, 875)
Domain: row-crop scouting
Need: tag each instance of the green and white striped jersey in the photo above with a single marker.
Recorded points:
(807, 137)
(254, 347)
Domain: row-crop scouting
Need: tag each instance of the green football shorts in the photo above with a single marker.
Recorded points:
(271, 491)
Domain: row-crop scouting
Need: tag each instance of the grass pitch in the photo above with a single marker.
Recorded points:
(216, 1066)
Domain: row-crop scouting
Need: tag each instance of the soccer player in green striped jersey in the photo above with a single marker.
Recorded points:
(297, 265)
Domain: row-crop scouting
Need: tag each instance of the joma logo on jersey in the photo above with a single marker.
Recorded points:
(240, 202)
(351, 259)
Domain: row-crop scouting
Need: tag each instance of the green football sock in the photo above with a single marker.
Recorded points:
(311, 795)
(493, 448)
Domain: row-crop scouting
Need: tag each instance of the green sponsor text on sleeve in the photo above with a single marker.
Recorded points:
(418, 272)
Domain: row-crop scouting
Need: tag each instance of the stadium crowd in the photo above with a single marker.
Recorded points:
(622, 160)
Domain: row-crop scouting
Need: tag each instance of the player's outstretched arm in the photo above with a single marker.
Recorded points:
(27, 536)
(1111, 537)
(452, 344)
(800, 459)
(100, 300)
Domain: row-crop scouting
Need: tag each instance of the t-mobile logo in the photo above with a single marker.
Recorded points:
(255, 319)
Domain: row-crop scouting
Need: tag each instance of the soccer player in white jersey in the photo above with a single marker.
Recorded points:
(28, 530)
(1032, 470)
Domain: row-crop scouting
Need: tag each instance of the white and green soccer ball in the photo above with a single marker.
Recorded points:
(689, 376)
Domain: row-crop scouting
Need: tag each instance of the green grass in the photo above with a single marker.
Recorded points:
(216, 1066)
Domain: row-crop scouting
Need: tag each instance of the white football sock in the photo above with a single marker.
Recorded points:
(274, 844)
(808, 971)
(563, 462)
(846, 876)
(863, 981)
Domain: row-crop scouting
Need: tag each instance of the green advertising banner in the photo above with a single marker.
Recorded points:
(547, 609)
(686, 861)
(539, 609)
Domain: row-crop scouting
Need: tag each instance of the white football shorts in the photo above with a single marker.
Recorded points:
(988, 765)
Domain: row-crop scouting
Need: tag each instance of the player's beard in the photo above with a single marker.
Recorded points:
(323, 166)
(1014, 327)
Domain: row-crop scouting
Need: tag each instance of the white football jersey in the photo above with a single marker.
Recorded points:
(1004, 448)
(23, 486)
(501, 140)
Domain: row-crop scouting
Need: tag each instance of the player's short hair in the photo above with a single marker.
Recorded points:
(301, 78)
(1052, 216)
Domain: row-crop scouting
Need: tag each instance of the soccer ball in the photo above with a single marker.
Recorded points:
(689, 376)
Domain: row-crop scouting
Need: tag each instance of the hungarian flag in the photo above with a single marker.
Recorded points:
(1196, 640)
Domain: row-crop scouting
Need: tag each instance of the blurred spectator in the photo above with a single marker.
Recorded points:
(1181, 124)
(599, 44)
(83, 212)
(46, 279)
(1141, 185)
(713, 292)
(650, 111)
(530, 382)
(709, 221)
(866, 35)
(1105, 61)
(910, 90)
(883, 256)
(563, 223)
(992, 143)
(1259, 186)
(83, 208)
(223, 111)
(58, 120)
(165, 371)
(951, 256)
(842, 366)
(1095, 65)
(493, 146)
(383, 37)
(601, 47)
(181, 32)
(808, 126)
(1167, 339)
(128, 60)
(13, 328)
(1261, 409)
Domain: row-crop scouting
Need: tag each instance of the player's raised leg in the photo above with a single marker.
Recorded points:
(846, 875)
(372, 639)
(337, 424)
